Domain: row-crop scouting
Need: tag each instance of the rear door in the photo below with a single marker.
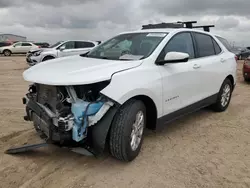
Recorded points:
(25, 47)
(210, 62)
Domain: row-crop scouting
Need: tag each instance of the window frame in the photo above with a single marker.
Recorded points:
(17, 44)
(64, 44)
(25, 43)
(193, 42)
(212, 39)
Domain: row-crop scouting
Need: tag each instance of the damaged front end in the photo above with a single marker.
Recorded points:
(72, 116)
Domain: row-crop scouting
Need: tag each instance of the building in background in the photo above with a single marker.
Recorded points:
(11, 38)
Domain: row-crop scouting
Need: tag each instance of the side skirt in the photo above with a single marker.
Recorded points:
(186, 110)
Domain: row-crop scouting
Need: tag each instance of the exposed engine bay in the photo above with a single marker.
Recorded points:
(65, 114)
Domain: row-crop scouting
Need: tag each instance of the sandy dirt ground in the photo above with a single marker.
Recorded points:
(204, 149)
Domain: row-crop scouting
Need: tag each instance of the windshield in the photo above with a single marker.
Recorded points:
(56, 44)
(129, 46)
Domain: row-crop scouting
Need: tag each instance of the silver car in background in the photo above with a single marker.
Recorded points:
(18, 48)
(60, 49)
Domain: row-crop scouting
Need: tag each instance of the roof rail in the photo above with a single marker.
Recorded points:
(178, 24)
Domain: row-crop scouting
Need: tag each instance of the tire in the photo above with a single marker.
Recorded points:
(219, 106)
(246, 79)
(47, 58)
(7, 53)
(122, 127)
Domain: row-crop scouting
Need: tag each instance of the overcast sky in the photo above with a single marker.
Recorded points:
(53, 20)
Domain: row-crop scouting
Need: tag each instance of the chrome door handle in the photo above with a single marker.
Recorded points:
(196, 66)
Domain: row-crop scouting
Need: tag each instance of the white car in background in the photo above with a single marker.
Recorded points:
(18, 48)
(60, 49)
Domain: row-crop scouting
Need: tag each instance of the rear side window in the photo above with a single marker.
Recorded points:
(88, 44)
(205, 46)
(26, 44)
(80, 44)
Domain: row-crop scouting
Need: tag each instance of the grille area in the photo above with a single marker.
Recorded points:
(48, 96)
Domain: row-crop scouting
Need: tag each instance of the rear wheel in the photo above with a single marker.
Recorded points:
(127, 130)
(224, 96)
(7, 53)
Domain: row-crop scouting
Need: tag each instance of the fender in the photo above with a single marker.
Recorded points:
(100, 131)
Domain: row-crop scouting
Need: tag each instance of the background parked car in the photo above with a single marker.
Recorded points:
(243, 54)
(3, 44)
(246, 69)
(60, 49)
(18, 48)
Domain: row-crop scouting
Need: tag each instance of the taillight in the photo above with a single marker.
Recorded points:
(236, 58)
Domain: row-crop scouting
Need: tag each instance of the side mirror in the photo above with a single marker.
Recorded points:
(174, 57)
(62, 48)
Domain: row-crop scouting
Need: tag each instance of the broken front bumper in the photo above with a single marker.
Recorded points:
(95, 141)
(45, 128)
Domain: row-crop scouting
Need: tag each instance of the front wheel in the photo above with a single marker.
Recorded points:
(127, 130)
(224, 96)
(7, 53)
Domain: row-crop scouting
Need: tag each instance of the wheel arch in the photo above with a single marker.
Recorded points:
(7, 50)
(231, 78)
(46, 56)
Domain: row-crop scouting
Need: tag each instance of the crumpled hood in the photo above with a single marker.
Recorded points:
(76, 70)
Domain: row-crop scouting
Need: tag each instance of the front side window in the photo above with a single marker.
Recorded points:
(181, 42)
(17, 44)
(68, 45)
(205, 46)
(135, 45)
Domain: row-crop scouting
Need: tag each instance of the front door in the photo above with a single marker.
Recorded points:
(66, 49)
(180, 80)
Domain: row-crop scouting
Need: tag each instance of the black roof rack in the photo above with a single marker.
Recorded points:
(178, 24)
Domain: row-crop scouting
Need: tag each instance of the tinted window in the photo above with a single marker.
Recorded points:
(88, 44)
(179, 43)
(216, 47)
(80, 44)
(225, 43)
(69, 45)
(204, 45)
(26, 44)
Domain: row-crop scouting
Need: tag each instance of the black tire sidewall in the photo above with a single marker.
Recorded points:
(7, 51)
(47, 58)
(137, 106)
(226, 82)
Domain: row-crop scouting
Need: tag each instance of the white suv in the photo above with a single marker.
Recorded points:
(133, 81)
(60, 49)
